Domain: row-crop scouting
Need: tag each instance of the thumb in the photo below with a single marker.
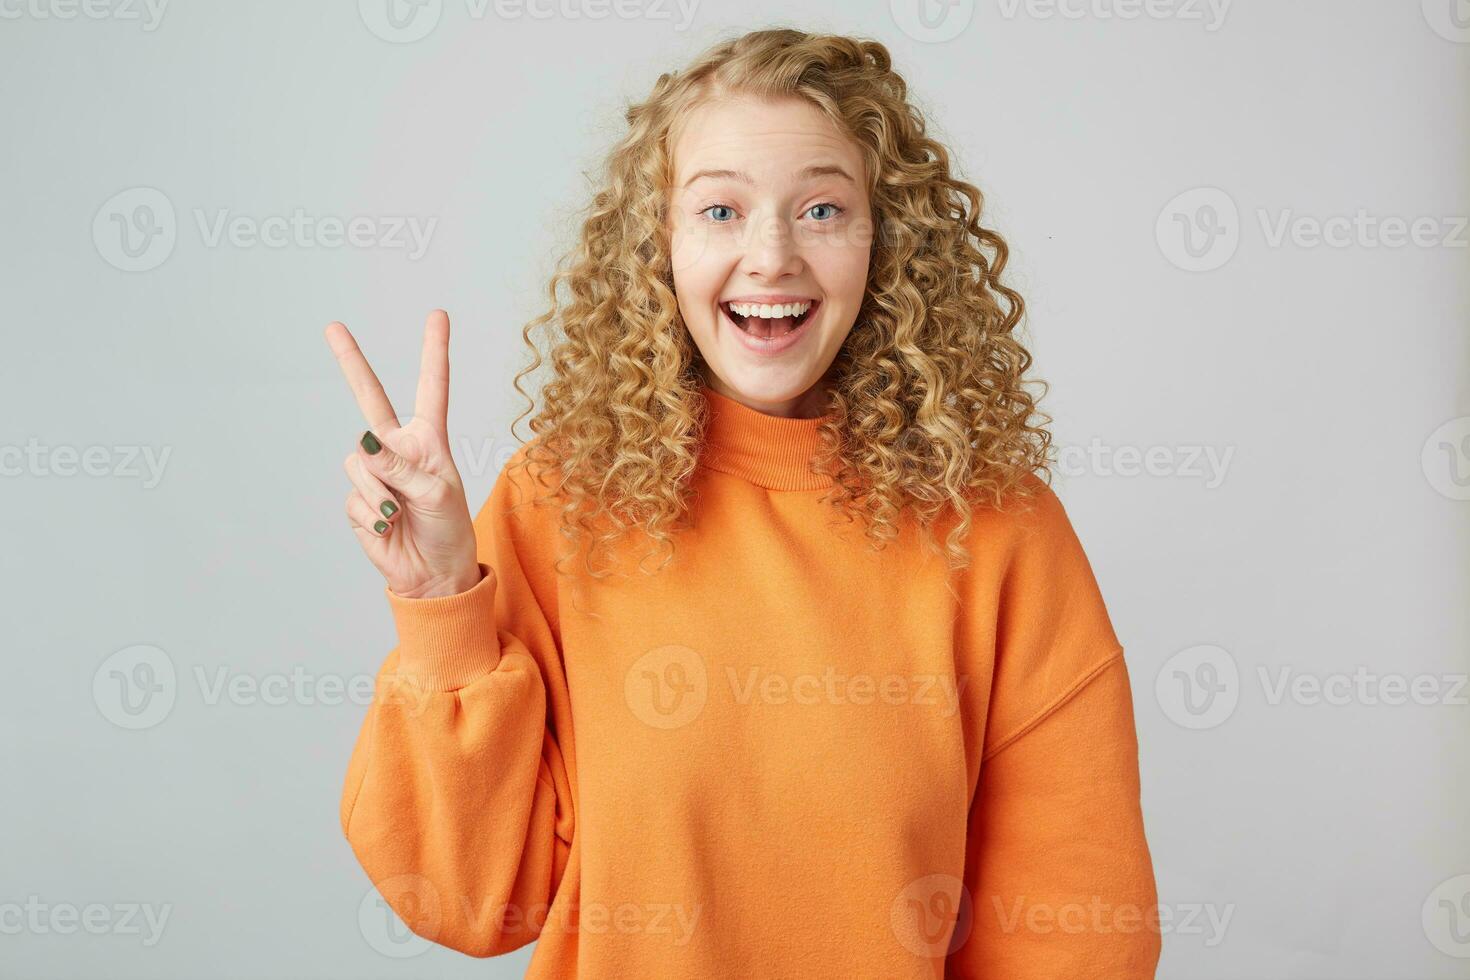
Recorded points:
(397, 473)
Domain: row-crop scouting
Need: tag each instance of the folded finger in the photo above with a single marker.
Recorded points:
(371, 488)
(364, 518)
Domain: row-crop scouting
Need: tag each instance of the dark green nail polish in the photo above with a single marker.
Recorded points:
(370, 442)
(381, 527)
(388, 507)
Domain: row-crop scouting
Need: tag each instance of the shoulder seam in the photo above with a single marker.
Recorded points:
(1087, 677)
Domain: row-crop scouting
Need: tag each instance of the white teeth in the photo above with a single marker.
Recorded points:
(768, 312)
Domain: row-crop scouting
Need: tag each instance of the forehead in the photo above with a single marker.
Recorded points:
(769, 140)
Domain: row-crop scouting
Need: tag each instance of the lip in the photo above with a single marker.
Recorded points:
(770, 299)
(780, 344)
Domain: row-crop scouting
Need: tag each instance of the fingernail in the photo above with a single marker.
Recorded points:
(370, 442)
(388, 507)
(381, 527)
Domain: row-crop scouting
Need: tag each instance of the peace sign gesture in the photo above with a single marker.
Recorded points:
(407, 505)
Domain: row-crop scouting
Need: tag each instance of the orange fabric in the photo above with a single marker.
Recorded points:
(783, 756)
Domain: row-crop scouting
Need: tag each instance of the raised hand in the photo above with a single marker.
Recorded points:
(407, 506)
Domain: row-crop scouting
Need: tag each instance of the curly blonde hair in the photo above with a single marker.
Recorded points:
(929, 411)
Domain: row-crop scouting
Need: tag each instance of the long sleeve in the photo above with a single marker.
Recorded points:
(1057, 871)
(457, 801)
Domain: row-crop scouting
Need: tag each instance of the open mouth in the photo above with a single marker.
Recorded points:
(796, 315)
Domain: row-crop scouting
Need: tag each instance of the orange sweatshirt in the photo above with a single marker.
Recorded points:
(783, 756)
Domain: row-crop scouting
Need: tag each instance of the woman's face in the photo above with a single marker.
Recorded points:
(768, 205)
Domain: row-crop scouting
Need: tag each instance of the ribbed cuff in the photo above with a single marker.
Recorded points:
(447, 641)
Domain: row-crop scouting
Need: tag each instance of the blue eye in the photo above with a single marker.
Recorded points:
(836, 210)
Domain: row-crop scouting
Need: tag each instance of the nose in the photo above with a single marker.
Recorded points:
(772, 252)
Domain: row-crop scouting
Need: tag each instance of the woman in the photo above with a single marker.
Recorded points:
(812, 741)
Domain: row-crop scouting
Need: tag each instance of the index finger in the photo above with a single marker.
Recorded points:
(371, 398)
(431, 403)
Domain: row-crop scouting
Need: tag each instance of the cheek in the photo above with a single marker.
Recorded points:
(844, 273)
(695, 250)
(700, 272)
(695, 269)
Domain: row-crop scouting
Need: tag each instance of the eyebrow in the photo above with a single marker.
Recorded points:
(816, 170)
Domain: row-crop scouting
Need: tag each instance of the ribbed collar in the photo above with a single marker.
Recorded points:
(767, 450)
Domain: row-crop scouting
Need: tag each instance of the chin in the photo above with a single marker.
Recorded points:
(772, 387)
